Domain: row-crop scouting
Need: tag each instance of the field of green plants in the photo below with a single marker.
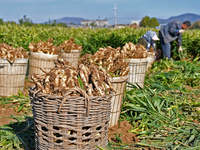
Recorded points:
(165, 114)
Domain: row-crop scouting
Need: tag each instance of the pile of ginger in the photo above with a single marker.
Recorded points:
(11, 54)
(63, 77)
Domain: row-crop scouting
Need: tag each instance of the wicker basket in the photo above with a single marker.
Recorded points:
(119, 84)
(72, 57)
(12, 76)
(63, 122)
(40, 60)
(137, 71)
(150, 58)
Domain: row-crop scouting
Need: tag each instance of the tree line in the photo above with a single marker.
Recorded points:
(145, 22)
(149, 22)
(28, 22)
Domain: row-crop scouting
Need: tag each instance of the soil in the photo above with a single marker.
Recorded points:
(5, 113)
(122, 132)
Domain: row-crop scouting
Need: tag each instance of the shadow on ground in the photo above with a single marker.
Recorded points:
(18, 135)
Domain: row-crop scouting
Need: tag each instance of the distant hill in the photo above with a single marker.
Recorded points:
(188, 16)
(68, 20)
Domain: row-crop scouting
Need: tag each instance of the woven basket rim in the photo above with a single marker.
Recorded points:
(59, 97)
(64, 98)
(119, 79)
(43, 56)
(137, 60)
(17, 61)
(71, 51)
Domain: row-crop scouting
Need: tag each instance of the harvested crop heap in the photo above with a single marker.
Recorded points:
(63, 77)
(108, 59)
(151, 50)
(69, 45)
(11, 54)
(130, 50)
(44, 47)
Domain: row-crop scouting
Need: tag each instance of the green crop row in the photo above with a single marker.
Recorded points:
(164, 112)
(91, 39)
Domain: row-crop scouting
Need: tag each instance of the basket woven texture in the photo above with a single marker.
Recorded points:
(72, 57)
(119, 84)
(138, 68)
(150, 59)
(63, 122)
(42, 61)
(12, 76)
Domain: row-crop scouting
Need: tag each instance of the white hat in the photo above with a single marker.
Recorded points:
(155, 38)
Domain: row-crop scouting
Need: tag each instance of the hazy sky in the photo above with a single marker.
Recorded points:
(42, 10)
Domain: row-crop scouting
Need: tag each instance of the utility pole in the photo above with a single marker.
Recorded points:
(99, 21)
(115, 15)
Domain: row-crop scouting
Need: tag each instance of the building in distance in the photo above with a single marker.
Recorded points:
(135, 22)
(95, 23)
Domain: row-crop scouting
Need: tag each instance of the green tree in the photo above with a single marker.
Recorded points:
(145, 21)
(1, 21)
(153, 23)
(25, 21)
(61, 25)
(52, 23)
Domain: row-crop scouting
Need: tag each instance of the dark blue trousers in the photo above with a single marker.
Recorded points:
(166, 47)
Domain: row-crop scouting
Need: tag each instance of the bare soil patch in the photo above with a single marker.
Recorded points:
(122, 131)
(5, 113)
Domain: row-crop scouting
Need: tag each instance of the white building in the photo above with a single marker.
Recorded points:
(137, 22)
(98, 23)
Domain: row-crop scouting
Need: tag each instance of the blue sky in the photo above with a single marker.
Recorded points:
(42, 10)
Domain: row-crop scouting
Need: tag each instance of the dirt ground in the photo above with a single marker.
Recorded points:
(5, 113)
(122, 131)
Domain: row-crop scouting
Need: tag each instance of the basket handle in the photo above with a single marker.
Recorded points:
(79, 90)
(2, 66)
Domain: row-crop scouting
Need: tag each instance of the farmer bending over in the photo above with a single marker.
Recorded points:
(148, 40)
(170, 32)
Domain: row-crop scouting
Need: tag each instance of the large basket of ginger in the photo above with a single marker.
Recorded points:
(136, 55)
(13, 68)
(71, 107)
(42, 56)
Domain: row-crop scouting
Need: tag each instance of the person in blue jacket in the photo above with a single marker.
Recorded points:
(149, 40)
(171, 32)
